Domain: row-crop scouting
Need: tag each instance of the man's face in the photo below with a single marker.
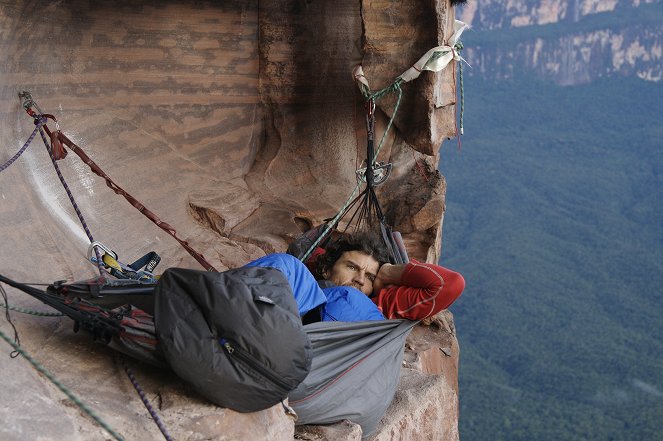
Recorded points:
(356, 269)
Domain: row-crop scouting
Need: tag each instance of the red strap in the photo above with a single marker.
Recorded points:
(58, 139)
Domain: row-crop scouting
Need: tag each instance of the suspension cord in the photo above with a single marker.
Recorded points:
(146, 402)
(30, 311)
(50, 148)
(57, 151)
(39, 123)
(77, 401)
(394, 88)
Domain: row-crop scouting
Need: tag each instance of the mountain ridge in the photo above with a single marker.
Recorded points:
(622, 38)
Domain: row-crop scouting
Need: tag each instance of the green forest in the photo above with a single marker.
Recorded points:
(555, 218)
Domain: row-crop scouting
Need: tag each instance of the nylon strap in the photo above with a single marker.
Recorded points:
(58, 138)
(437, 58)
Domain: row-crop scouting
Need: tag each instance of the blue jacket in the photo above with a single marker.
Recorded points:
(348, 304)
(337, 303)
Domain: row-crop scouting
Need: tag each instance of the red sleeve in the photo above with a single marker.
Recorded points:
(425, 290)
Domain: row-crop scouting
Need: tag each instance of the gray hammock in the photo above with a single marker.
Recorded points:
(354, 374)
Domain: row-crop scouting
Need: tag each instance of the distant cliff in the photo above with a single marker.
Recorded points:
(567, 41)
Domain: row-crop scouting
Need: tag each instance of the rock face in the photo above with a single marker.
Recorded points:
(618, 37)
(236, 122)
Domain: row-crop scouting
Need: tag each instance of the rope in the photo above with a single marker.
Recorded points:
(56, 150)
(30, 311)
(395, 87)
(84, 407)
(8, 316)
(459, 47)
(146, 402)
(73, 202)
(40, 123)
(64, 141)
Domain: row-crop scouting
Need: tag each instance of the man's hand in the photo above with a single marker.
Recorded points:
(388, 275)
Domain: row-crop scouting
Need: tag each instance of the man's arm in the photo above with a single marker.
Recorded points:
(416, 290)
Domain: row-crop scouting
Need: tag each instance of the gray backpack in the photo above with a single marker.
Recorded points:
(235, 336)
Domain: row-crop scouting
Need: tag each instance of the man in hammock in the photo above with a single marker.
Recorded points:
(356, 282)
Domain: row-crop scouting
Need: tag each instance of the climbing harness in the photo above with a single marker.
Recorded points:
(141, 270)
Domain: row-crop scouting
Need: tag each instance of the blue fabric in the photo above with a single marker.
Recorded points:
(304, 287)
(348, 304)
(339, 303)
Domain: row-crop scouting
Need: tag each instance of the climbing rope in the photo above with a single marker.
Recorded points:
(57, 151)
(434, 60)
(40, 122)
(49, 148)
(84, 407)
(30, 311)
(459, 48)
(17, 340)
(146, 402)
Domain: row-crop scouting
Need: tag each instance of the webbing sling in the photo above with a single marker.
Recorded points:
(59, 140)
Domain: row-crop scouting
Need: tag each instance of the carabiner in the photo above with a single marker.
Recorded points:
(91, 254)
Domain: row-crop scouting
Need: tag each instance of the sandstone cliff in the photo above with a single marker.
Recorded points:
(566, 41)
(237, 122)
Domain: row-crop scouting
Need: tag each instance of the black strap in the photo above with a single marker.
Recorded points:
(90, 317)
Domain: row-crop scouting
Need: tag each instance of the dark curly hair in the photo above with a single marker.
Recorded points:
(368, 243)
